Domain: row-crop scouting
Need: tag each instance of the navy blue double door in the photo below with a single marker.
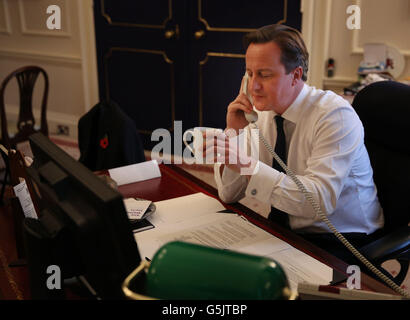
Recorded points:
(178, 60)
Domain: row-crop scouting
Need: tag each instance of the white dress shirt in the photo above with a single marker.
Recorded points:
(325, 149)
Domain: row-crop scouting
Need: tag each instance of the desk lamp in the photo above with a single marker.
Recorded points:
(182, 270)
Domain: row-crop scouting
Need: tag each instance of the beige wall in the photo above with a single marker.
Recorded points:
(68, 56)
(381, 22)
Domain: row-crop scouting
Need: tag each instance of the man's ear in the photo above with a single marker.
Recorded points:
(297, 75)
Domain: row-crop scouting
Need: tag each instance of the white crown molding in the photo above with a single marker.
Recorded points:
(307, 10)
(43, 33)
(88, 53)
(49, 58)
(355, 35)
(316, 27)
(7, 30)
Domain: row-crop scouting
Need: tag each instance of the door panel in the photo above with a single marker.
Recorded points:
(221, 51)
(166, 60)
(134, 13)
(217, 91)
(146, 71)
(240, 15)
(136, 60)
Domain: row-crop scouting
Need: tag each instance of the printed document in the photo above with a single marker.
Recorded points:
(195, 219)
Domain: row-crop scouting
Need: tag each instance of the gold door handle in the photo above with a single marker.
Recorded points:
(199, 34)
(169, 34)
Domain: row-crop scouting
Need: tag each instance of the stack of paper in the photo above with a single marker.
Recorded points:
(196, 219)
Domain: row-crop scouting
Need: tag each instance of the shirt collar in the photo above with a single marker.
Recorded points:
(293, 112)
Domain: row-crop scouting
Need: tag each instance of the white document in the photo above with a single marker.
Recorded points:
(22, 193)
(218, 230)
(300, 267)
(135, 172)
(226, 231)
(195, 219)
(184, 208)
(265, 247)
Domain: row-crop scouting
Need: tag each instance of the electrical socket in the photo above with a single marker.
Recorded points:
(63, 130)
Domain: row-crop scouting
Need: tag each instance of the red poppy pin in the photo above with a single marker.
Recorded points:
(104, 142)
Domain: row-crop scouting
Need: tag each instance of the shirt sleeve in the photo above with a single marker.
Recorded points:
(337, 137)
(231, 185)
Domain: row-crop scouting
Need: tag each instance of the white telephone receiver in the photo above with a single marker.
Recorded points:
(253, 116)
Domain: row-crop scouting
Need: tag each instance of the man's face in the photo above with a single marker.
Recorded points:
(269, 85)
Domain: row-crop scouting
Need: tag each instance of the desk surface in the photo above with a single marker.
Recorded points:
(174, 182)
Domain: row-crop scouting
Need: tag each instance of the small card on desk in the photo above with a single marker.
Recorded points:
(136, 208)
(137, 211)
(135, 172)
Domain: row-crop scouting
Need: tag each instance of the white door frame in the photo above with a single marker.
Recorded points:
(316, 16)
(88, 53)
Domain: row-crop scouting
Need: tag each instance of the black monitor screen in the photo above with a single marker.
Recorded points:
(83, 220)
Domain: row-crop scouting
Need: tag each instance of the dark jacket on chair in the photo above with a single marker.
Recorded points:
(108, 138)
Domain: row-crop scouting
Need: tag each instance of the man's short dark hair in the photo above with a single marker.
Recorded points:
(290, 42)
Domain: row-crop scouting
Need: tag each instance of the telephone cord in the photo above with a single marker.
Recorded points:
(316, 207)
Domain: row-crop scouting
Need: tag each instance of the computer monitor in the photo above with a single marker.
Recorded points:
(83, 227)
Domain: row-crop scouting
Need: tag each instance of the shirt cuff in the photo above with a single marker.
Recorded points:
(217, 174)
(262, 182)
(228, 175)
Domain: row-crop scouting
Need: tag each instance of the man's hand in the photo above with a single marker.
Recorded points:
(225, 149)
(235, 117)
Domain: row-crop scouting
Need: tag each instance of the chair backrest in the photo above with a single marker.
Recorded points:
(108, 138)
(384, 109)
(26, 78)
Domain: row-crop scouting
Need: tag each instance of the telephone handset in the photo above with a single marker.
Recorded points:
(252, 118)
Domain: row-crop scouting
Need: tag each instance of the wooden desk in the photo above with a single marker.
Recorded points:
(14, 281)
(174, 182)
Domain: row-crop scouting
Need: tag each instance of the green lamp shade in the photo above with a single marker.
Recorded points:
(182, 270)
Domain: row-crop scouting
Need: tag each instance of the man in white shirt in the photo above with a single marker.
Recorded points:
(324, 145)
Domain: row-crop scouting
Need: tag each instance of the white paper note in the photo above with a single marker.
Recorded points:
(136, 208)
(184, 208)
(135, 172)
(24, 197)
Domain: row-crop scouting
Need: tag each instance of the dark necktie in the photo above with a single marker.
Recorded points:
(277, 215)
